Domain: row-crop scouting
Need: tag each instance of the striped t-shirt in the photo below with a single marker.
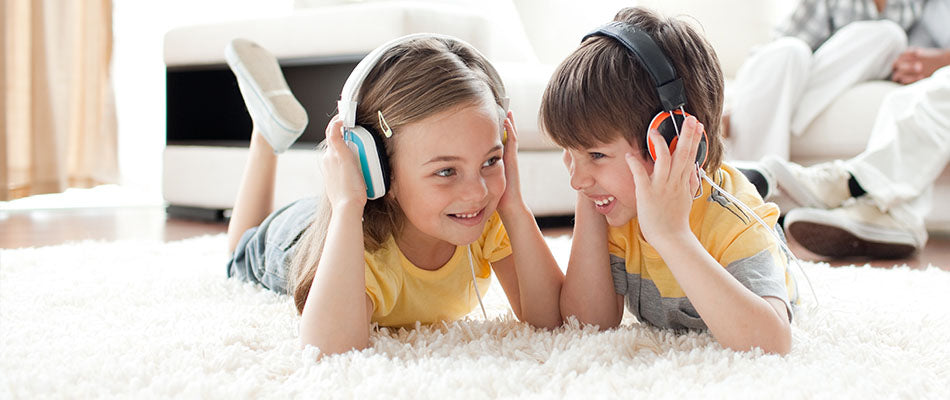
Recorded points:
(745, 248)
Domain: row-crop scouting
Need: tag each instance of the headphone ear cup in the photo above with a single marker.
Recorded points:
(663, 123)
(370, 151)
(383, 158)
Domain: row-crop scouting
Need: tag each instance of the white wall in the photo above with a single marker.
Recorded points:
(139, 74)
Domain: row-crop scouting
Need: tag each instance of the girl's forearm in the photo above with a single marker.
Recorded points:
(737, 318)
(588, 290)
(539, 277)
(334, 316)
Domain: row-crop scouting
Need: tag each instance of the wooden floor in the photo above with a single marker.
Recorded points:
(51, 227)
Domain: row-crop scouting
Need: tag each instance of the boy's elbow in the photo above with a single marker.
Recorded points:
(782, 342)
(781, 337)
(779, 347)
(777, 340)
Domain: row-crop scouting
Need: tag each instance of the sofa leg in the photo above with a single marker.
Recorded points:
(195, 213)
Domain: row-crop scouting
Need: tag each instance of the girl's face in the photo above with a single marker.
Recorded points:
(448, 174)
(601, 174)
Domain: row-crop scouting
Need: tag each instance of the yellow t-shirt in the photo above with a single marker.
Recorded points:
(403, 293)
(735, 239)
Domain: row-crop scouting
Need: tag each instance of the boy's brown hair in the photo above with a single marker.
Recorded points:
(602, 90)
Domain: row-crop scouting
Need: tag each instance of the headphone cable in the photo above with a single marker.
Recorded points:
(478, 294)
(780, 241)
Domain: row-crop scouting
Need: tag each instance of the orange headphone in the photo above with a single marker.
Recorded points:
(668, 86)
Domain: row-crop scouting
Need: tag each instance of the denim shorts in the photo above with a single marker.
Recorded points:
(264, 253)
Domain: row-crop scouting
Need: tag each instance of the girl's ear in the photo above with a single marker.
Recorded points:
(393, 188)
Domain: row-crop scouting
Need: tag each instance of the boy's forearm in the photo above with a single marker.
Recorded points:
(737, 318)
(539, 277)
(334, 316)
(588, 291)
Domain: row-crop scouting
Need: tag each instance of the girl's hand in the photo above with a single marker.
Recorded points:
(511, 200)
(664, 198)
(342, 176)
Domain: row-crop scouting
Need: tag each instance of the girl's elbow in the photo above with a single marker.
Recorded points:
(326, 349)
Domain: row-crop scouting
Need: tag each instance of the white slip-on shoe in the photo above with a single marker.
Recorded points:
(823, 185)
(275, 111)
(857, 229)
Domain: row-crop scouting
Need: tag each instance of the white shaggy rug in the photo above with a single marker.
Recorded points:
(151, 319)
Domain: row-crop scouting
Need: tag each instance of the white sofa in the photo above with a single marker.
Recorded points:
(206, 176)
(525, 39)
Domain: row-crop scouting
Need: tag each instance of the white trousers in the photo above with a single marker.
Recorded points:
(908, 149)
(783, 86)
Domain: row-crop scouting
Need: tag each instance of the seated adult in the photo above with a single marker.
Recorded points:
(824, 48)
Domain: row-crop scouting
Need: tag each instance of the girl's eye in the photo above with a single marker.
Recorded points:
(491, 161)
(445, 172)
(596, 156)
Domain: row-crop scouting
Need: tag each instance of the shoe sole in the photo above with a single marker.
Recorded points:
(837, 242)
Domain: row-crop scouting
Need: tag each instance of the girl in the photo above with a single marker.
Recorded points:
(425, 249)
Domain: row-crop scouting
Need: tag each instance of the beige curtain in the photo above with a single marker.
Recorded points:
(57, 111)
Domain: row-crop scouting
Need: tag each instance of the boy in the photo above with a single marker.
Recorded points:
(680, 262)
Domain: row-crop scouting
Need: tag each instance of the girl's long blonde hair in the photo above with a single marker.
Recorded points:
(412, 81)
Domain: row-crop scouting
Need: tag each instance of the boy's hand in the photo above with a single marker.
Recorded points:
(342, 176)
(511, 199)
(664, 198)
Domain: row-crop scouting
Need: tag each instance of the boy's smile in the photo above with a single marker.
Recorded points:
(601, 174)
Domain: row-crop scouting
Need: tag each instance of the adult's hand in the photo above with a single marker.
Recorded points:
(917, 63)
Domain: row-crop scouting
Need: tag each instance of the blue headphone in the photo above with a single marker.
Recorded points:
(366, 143)
(669, 87)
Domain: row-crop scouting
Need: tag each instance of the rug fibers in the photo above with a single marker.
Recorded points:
(147, 319)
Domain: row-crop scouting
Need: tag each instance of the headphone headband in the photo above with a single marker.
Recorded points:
(350, 97)
(669, 87)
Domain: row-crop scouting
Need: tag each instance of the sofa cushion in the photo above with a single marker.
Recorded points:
(843, 129)
(525, 83)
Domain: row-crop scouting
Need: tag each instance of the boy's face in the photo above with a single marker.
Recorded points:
(601, 174)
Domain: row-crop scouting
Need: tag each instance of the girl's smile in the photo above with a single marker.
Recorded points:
(448, 175)
(469, 219)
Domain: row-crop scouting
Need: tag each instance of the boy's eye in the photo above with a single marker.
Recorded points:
(491, 161)
(596, 156)
(445, 172)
